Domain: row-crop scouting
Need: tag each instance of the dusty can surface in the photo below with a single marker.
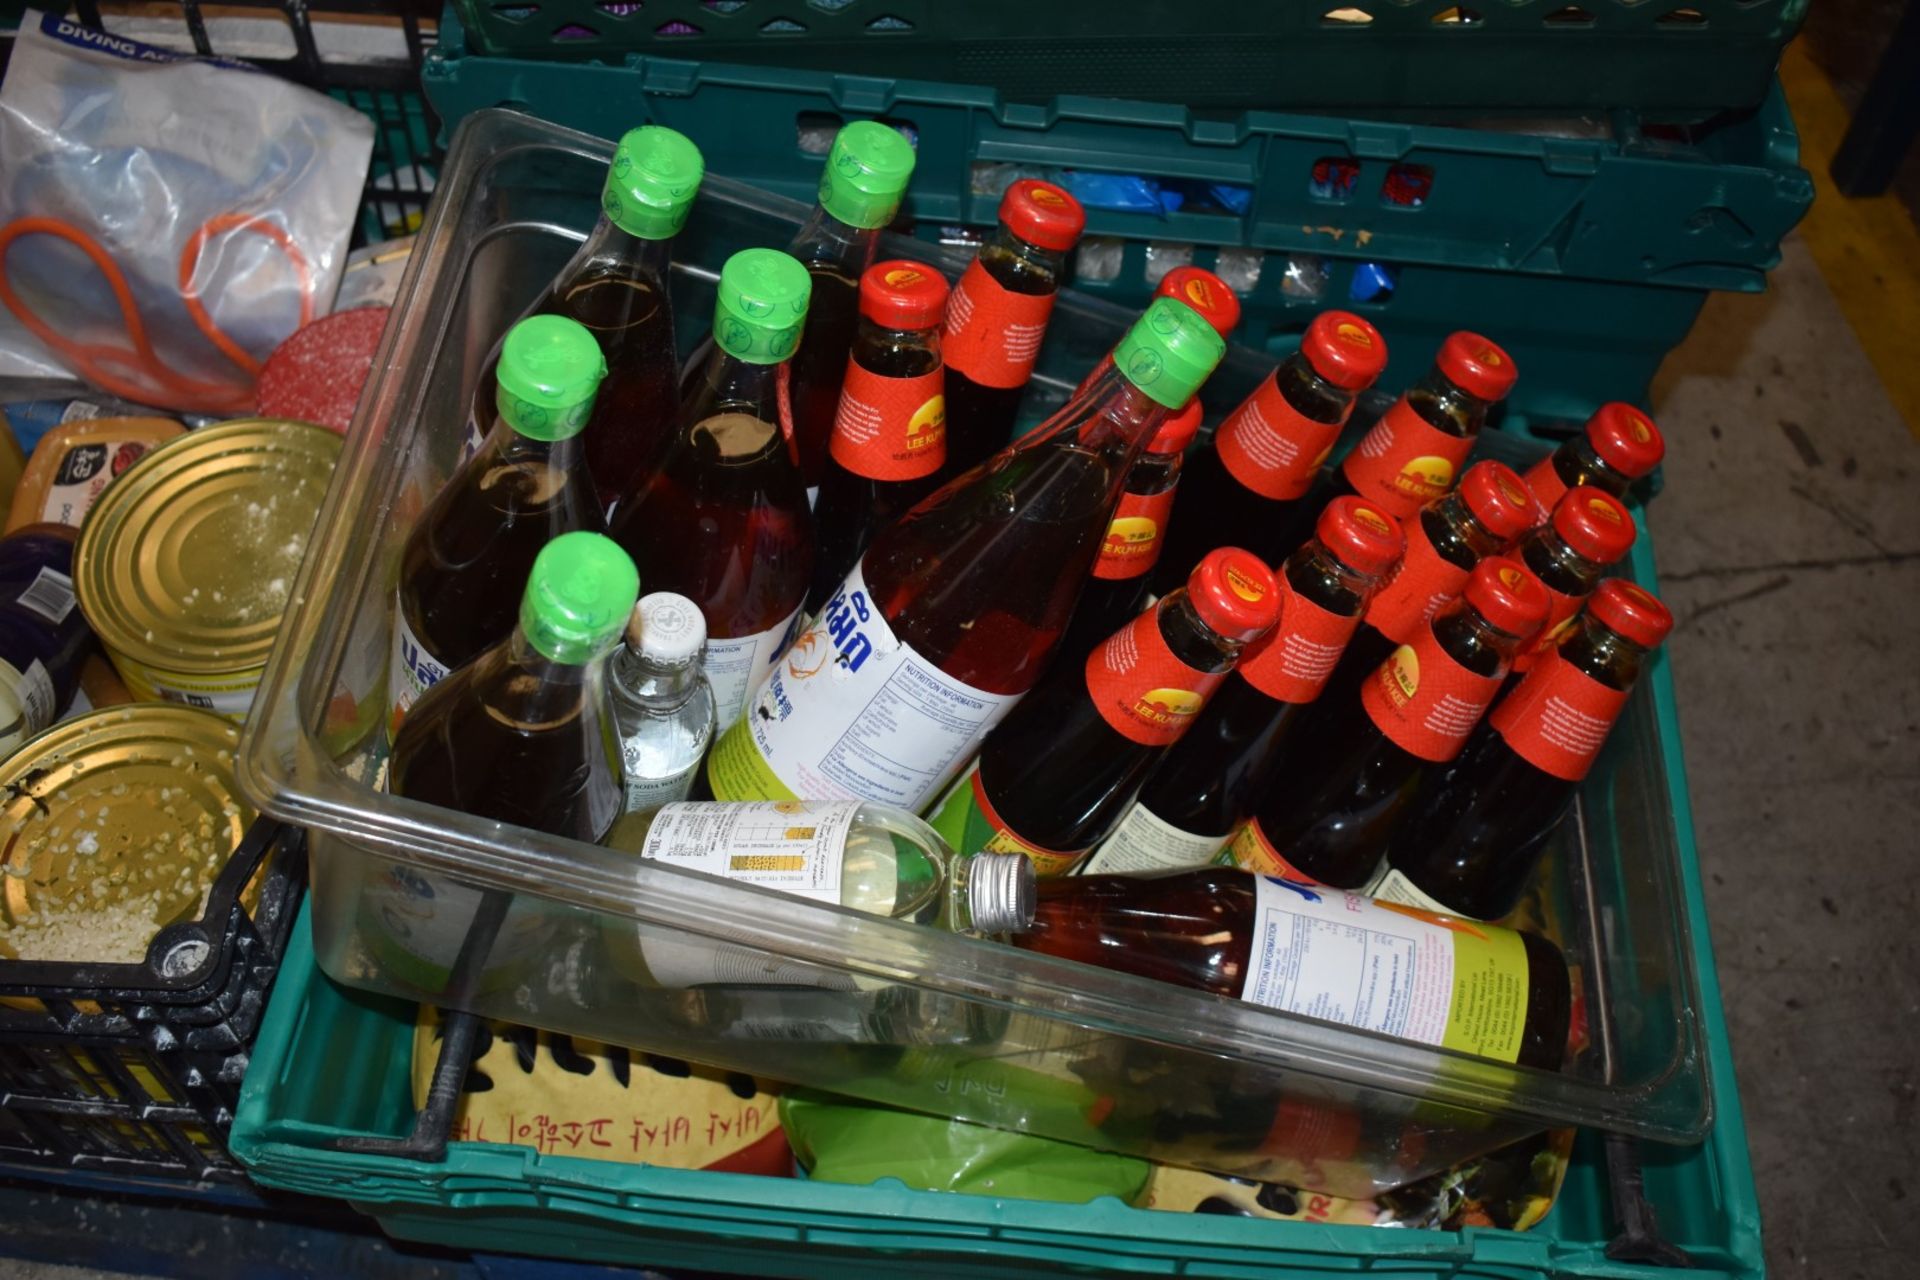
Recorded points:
(115, 825)
(185, 565)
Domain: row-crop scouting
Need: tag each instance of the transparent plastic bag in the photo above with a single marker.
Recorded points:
(164, 221)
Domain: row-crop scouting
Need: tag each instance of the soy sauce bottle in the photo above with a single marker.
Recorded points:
(1243, 487)
(998, 314)
(890, 435)
(951, 615)
(1471, 844)
(1061, 770)
(1206, 785)
(724, 520)
(1290, 946)
(1589, 531)
(1618, 445)
(860, 190)
(470, 551)
(524, 733)
(1357, 765)
(1117, 591)
(1210, 297)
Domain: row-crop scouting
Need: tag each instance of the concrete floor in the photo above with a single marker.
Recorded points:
(1789, 539)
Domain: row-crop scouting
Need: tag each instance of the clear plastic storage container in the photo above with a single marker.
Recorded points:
(432, 905)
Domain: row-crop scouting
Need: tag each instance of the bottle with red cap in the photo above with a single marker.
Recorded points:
(1117, 591)
(1619, 445)
(1210, 296)
(1058, 773)
(1243, 488)
(1356, 770)
(890, 436)
(998, 315)
(1471, 843)
(1589, 531)
(1199, 795)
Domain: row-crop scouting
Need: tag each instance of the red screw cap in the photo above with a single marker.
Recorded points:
(1206, 293)
(1625, 439)
(1477, 366)
(1499, 499)
(1178, 431)
(1043, 214)
(901, 294)
(1345, 350)
(1360, 536)
(1507, 596)
(1594, 524)
(1233, 591)
(1630, 612)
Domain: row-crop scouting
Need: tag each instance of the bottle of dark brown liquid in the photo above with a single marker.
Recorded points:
(860, 192)
(1357, 765)
(470, 551)
(524, 733)
(1242, 488)
(1589, 531)
(1206, 786)
(1619, 445)
(724, 519)
(1470, 845)
(1117, 591)
(1501, 994)
(1058, 773)
(890, 438)
(997, 318)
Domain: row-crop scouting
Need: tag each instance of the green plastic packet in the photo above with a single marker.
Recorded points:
(838, 1140)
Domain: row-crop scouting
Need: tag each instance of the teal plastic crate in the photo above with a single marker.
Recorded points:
(1676, 56)
(1683, 208)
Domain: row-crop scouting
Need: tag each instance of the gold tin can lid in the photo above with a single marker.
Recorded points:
(186, 562)
(116, 824)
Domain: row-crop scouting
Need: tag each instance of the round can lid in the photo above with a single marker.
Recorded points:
(1476, 365)
(1507, 595)
(903, 294)
(1178, 430)
(866, 174)
(186, 562)
(145, 793)
(1206, 293)
(1043, 214)
(1360, 535)
(1625, 439)
(1345, 350)
(1631, 611)
(1169, 352)
(651, 184)
(579, 597)
(667, 627)
(1233, 591)
(760, 306)
(1594, 524)
(1499, 499)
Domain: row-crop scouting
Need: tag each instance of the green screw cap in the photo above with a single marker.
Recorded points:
(579, 596)
(550, 370)
(866, 174)
(655, 175)
(1169, 352)
(761, 306)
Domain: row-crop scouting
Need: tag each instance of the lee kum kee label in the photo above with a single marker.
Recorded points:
(993, 334)
(1558, 717)
(890, 428)
(1135, 536)
(1142, 689)
(1425, 701)
(1405, 462)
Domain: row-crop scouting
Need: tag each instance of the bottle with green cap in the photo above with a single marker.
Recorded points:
(860, 191)
(616, 285)
(470, 551)
(524, 732)
(951, 615)
(723, 519)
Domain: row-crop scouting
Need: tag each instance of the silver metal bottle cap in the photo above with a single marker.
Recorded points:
(1000, 894)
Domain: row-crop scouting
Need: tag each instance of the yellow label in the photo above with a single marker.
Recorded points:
(736, 770)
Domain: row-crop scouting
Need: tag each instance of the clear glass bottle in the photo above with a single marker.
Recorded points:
(662, 703)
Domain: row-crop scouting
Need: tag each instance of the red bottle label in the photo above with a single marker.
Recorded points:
(1405, 462)
(1563, 612)
(1419, 585)
(1557, 717)
(1143, 690)
(1252, 851)
(1547, 486)
(1135, 535)
(1272, 448)
(993, 334)
(1426, 702)
(1294, 660)
(890, 428)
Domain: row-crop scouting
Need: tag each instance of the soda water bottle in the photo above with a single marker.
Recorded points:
(1618, 446)
(1198, 796)
(724, 519)
(662, 703)
(860, 191)
(997, 317)
(951, 615)
(1058, 773)
(1471, 843)
(469, 553)
(890, 435)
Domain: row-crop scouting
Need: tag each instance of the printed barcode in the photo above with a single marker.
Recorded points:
(190, 699)
(50, 595)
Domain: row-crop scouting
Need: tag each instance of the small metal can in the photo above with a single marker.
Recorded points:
(116, 824)
(43, 637)
(185, 565)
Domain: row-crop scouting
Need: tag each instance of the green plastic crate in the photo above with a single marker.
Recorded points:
(332, 1062)
(1685, 56)
(1701, 209)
